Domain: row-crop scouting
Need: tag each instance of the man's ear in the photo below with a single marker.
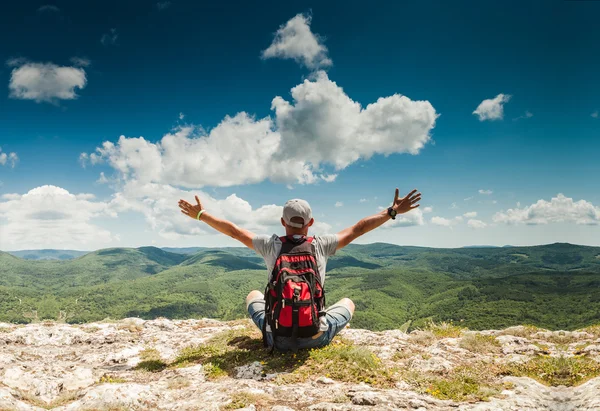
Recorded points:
(311, 222)
(283, 222)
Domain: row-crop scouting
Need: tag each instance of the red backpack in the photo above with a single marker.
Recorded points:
(295, 299)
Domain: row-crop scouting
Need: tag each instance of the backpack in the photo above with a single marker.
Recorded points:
(294, 296)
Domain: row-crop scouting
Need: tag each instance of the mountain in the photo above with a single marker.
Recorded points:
(553, 286)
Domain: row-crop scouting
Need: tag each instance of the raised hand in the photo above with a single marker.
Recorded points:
(189, 209)
(405, 204)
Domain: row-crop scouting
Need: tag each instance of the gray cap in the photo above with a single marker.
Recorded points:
(297, 208)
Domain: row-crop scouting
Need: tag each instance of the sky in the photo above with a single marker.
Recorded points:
(112, 111)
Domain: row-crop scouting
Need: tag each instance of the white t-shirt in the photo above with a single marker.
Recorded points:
(324, 246)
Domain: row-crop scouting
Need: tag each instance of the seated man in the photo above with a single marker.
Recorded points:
(297, 219)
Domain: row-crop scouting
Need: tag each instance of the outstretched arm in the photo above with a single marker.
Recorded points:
(401, 205)
(224, 226)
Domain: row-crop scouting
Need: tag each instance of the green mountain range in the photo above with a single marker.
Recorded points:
(553, 286)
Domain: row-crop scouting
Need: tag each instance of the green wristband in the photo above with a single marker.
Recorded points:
(199, 214)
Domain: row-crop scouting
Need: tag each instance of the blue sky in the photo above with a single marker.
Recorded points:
(499, 119)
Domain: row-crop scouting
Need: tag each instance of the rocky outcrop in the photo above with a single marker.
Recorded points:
(134, 364)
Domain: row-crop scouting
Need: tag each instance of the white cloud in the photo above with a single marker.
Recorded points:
(412, 218)
(339, 204)
(181, 116)
(441, 221)
(485, 192)
(468, 198)
(492, 109)
(162, 5)
(11, 159)
(331, 129)
(102, 179)
(470, 214)
(80, 61)
(51, 217)
(329, 178)
(427, 209)
(109, 38)
(295, 40)
(44, 82)
(83, 159)
(476, 224)
(453, 206)
(559, 209)
(158, 204)
(595, 114)
(48, 8)
(527, 114)
(363, 200)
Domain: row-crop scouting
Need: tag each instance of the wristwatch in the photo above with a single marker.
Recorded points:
(392, 213)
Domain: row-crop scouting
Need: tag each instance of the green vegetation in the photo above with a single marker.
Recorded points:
(553, 286)
(555, 371)
(476, 382)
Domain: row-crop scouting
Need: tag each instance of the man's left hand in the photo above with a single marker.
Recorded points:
(405, 204)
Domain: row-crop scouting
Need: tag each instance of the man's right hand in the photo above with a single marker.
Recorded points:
(189, 209)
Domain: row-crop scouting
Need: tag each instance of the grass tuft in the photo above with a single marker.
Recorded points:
(479, 343)
(555, 371)
(243, 399)
(445, 329)
(476, 382)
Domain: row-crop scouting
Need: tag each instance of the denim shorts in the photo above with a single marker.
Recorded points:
(337, 317)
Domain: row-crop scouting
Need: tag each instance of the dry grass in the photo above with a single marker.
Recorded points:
(593, 330)
(478, 343)
(178, 383)
(421, 337)
(445, 329)
(524, 331)
(244, 399)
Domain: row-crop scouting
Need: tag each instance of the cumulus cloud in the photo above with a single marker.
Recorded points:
(339, 204)
(427, 209)
(363, 200)
(595, 114)
(294, 40)
(476, 224)
(492, 109)
(441, 221)
(158, 204)
(109, 38)
(51, 217)
(485, 192)
(412, 218)
(468, 198)
(9, 159)
(470, 214)
(322, 127)
(559, 209)
(44, 82)
(181, 116)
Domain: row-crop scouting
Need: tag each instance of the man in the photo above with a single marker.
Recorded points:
(297, 219)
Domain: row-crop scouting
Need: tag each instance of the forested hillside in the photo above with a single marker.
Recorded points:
(553, 286)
